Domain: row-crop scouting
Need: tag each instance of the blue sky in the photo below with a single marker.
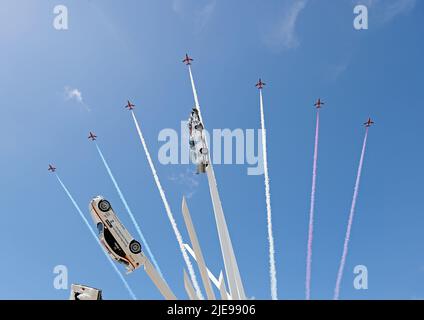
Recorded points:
(118, 50)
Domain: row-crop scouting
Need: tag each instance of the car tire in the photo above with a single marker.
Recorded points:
(104, 205)
(204, 150)
(135, 247)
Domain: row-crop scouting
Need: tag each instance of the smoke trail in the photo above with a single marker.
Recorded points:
(349, 225)
(230, 262)
(97, 239)
(196, 99)
(137, 227)
(272, 270)
(311, 214)
(168, 211)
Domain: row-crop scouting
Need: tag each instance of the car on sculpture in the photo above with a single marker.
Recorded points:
(198, 148)
(114, 237)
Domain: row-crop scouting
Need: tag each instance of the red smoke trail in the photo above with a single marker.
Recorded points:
(311, 214)
(349, 225)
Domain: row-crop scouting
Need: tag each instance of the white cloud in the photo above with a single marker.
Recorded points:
(283, 36)
(73, 94)
(396, 8)
(204, 14)
(197, 13)
(368, 3)
(188, 180)
(76, 95)
(178, 6)
(336, 70)
(386, 10)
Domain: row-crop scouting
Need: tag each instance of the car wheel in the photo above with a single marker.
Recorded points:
(204, 150)
(104, 205)
(135, 247)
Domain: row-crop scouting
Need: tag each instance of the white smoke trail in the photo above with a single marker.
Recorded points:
(97, 239)
(196, 99)
(272, 270)
(229, 258)
(168, 210)
(311, 214)
(349, 224)
(137, 227)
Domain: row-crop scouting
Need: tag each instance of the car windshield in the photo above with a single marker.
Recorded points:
(113, 244)
(123, 262)
(100, 227)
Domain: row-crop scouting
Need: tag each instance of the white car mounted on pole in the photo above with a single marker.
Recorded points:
(197, 142)
(121, 246)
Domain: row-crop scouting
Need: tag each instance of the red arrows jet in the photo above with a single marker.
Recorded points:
(187, 60)
(51, 168)
(92, 136)
(260, 84)
(369, 123)
(129, 105)
(319, 103)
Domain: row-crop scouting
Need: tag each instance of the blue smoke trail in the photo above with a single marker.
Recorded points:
(350, 221)
(97, 239)
(152, 257)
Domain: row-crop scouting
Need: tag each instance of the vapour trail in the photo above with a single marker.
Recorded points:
(229, 259)
(351, 215)
(311, 214)
(137, 227)
(168, 210)
(196, 99)
(97, 239)
(272, 269)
